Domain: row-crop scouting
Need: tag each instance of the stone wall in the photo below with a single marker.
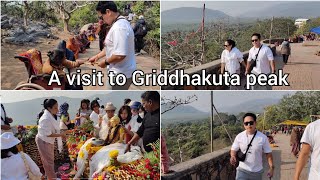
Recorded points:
(213, 165)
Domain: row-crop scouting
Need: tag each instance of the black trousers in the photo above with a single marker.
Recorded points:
(285, 58)
(139, 43)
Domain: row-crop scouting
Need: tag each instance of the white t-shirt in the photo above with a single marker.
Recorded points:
(95, 118)
(47, 126)
(104, 128)
(133, 124)
(310, 136)
(13, 167)
(263, 60)
(260, 145)
(120, 41)
(130, 16)
(84, 113)
(232, 59)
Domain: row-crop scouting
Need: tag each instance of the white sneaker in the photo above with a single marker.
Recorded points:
(137, 54)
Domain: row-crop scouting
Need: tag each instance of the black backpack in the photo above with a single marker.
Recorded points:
(142, 30)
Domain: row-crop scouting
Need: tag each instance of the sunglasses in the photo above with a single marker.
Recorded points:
(249, 122)
(254, 40)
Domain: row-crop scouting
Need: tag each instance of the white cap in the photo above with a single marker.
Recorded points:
(110, 106)
(141, 17)
(8, 140)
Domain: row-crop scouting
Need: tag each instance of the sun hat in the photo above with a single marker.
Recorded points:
(8, 140)
(110, 106)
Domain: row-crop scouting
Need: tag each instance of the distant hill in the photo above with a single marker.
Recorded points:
(256, 105)
(287, 9)
(25, 112)
(187, 113)
(182, 114)
(189, 15)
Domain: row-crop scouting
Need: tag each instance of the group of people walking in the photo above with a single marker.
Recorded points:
(260, 59)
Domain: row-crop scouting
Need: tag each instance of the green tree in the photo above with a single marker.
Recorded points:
(84, 16)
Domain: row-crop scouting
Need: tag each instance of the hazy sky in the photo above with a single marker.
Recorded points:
(14, 96)
(224, 97)
(232, 8)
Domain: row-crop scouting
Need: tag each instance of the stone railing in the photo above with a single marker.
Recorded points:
(213, 165)
(211, 68)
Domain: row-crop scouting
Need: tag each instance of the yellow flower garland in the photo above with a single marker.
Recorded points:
(111, 168)
(114, 154)
(81, 154)
(88, 146)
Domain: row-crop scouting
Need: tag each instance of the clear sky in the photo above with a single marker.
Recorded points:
(232, 8)
(221, 97)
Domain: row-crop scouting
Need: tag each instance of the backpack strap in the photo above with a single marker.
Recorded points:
(251, 142)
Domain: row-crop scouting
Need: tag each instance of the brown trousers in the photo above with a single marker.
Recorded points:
(46, 151)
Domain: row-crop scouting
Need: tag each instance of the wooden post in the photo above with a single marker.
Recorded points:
(202, 36)
(271, 29)
(211, 124)
(180, 151)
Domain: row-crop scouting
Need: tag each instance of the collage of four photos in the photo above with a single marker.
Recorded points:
(168, 90)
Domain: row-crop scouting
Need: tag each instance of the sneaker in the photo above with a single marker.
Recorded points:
(137, 54)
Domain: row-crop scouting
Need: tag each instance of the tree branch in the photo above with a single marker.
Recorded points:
(170, 104)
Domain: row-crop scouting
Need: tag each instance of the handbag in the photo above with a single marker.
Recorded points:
(31, 176)
(242, 156)
(253, 63)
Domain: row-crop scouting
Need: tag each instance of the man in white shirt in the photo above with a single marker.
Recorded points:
(252, 167)
(310, 143)
(119, 42)
(264, 60)
(130, 16)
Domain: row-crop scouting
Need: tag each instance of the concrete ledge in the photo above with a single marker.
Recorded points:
(194, 167)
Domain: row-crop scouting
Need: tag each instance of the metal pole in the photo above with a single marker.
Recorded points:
(211, 127)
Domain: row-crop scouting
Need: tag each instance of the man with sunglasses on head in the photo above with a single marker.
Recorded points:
(251, 168)
(263, 56)
(119, 43)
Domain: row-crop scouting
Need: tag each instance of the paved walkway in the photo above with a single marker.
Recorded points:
(303, 67)
(284, 161)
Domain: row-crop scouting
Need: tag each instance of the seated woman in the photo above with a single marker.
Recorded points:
(73, 46)
(116, 132)
(57, 61)
(15, 165)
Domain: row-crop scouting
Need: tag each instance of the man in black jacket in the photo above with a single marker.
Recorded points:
(149, 130)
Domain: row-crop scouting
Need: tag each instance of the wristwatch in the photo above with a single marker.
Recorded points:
(106, 62)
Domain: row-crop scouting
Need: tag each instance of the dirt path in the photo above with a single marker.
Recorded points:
(13, 71)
